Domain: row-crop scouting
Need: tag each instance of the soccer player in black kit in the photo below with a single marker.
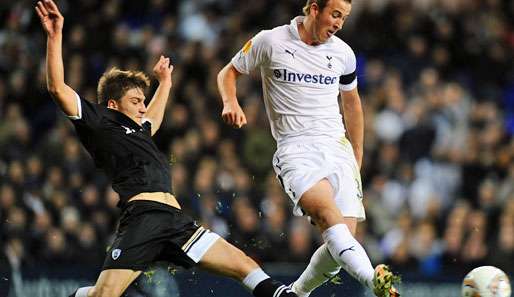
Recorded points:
(117, 133)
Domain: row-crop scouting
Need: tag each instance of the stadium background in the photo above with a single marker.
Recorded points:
(437, 84)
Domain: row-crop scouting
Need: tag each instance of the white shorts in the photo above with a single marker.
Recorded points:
(299, 166)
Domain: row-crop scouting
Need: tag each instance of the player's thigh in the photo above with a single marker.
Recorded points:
(113, 282)
(225, 259)
(318, 202)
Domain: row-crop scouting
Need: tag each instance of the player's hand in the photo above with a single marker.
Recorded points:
(233, 114)
(163, 70)
(50, 16)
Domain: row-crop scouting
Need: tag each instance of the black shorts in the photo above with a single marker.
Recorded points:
(150, 231)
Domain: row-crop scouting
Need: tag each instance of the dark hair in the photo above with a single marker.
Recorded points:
(114, 83)
(321, 5)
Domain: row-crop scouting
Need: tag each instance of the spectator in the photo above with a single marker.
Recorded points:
(436, 83)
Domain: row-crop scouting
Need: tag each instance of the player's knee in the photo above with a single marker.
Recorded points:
(92, 292)
(105, 290)
(325, 218)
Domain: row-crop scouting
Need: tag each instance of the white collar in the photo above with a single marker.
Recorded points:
(293, 27)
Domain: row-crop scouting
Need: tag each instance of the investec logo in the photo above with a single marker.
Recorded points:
(320, 79)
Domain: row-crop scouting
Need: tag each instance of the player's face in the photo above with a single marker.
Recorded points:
(132, 104)
(331, 19)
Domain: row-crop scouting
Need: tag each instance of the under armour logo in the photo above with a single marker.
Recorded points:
(329, 58)
(116, 254)
(291, 52)
(352, 248)
(129, 130)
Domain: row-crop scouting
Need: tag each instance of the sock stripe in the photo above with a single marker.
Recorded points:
(279, 291)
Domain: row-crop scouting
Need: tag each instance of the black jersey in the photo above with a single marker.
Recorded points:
(123, 149)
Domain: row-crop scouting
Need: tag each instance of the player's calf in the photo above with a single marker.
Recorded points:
(225, 259)
(322, 267)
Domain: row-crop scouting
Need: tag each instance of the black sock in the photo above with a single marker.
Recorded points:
(272, 288)
(73, 294)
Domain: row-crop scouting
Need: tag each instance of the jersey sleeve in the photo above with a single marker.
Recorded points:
(348, 80)
(256, 52)
(89, 113)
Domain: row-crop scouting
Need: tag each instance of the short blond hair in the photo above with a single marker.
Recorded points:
(321, 5)
(114, 83)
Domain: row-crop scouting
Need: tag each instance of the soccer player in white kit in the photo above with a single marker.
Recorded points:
(304, 67)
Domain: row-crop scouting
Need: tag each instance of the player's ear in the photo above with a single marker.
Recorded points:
(111, 103)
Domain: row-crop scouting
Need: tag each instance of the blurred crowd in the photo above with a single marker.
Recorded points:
(437, 85)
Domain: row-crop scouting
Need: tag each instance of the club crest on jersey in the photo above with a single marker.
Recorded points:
(329, 58)
(115, 254)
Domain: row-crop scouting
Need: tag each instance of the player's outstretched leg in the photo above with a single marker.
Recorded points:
(227, 260)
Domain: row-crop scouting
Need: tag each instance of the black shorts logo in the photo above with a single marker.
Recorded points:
(116, 254)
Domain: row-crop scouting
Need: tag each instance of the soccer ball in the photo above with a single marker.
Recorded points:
(486, 281)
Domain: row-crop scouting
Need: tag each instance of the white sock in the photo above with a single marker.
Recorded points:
(348, 253)
(82, 292)
(321, 268)
(254, 278)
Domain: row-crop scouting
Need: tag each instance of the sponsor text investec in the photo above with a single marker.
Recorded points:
(289, 76)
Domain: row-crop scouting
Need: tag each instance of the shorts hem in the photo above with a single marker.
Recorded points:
(200, 244)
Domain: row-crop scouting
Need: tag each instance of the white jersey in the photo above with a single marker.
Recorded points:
(300, 82)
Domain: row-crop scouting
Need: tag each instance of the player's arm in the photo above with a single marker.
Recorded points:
(52, 22)
(157, 106)
(232, 112)
(354, 121)
(255, 53)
